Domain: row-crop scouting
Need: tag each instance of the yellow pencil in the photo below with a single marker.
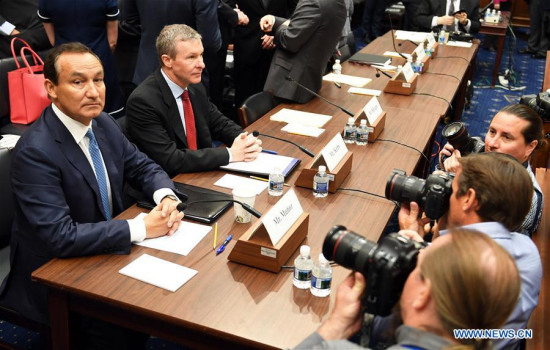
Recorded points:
(266, 180)
(215, 235)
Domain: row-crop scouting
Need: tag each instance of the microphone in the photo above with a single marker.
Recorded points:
(289, 78)
(393, 39)
(412, 42)
(378, 71)
(182, 205)
(256, 133)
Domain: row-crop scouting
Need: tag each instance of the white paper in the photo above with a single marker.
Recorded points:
(361, 91)
(265, 163)
(408, 72)
(347, 79)
(158, 272)
(395, 54)
(234, 181)
(302, 118)
(459, 44)
(282, 216)
(186, 237)
(372, 110)
(303, 130)
(334, 151)
(417, 37)
(9, 141)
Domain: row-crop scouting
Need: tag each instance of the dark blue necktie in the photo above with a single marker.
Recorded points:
(99, 173)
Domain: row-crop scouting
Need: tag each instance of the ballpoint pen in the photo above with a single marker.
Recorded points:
(265, 180)
(337, 85)
(268, 151)
(224, 244)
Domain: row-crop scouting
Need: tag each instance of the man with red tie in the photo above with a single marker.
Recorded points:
(170, 118)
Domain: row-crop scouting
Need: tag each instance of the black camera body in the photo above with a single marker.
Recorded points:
(431, 194)
(461, 36)
(458, 137)
(539, 103)
(386, 265)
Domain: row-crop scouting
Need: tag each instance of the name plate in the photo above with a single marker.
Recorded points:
(372, 110)
(282, 216)
(420, 53)
(431, 39)
(334, 151)
(408, 72)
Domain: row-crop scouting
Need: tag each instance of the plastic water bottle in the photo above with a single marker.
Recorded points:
(499, 16)
(418, 66)
(276, 182)
(337, 67)
(362, 133)
(321, 277)
(442, 37)
(303, 264)
(349, 131)
(320, 183)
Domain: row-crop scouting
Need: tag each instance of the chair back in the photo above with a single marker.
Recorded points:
(255, 107)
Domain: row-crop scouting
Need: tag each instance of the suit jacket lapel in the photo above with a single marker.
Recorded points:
(72, 152)
(173, 115)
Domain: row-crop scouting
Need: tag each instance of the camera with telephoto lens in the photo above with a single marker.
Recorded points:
(431, 194)
(458, 137)
(539, 103)
(385, 265)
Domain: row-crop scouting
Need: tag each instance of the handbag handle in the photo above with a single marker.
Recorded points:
(26, 45)
(34, 55)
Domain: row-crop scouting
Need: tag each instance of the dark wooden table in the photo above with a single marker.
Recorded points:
(228, 305)
(498, 29)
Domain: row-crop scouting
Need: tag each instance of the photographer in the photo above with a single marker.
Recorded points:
(434, 302)
(515, 130)
(491, 193)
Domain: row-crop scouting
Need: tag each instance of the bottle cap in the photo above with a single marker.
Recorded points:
(351, 120)
(305, 250)
(337, 61)
(363, 122)
(322, 168)
(322, 258)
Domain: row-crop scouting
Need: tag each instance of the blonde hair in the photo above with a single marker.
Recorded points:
(170, 35)
(474, 283)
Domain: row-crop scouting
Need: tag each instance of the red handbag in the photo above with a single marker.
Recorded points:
(28, 97)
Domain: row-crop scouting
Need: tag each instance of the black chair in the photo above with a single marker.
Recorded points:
(255, 107)
(6, 218)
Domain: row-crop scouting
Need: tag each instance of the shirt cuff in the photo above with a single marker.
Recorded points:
(159, 194)
(434, 21)
(7, 28)
(137, 229)
(230, 157)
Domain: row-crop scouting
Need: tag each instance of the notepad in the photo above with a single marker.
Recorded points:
(234, 181)
(368, 92)
(302, 118)
(347, 79)
(459, 44)
(158, 272)
(264, 165)
(297, 129)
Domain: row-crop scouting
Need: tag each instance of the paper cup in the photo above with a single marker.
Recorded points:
(245, 195)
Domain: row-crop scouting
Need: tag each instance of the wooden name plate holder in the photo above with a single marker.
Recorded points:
(436, 46)
(377, 128)
(342, 170)
(255, 249)
(401, 87)
(426, 62)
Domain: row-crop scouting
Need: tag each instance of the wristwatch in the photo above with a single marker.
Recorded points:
(172, 197)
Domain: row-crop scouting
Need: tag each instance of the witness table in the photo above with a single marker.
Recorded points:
(498, 29)
(232, 306)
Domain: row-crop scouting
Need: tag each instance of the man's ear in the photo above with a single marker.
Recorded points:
(469, 200)
(50, 89)
(166, 61)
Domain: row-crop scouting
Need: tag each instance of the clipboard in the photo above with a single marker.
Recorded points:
(202, 212)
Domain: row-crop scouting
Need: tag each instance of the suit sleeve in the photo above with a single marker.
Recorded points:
(148, 128)
(227, 15)
(424, 15)
(206, 17)
(473, 16)
(37, 184)
(303, 24)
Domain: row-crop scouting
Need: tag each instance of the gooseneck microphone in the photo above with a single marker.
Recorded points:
(409, 40)
(289, 78)
(256, 133)
(182, 205)
(378, 71)
(393, 39)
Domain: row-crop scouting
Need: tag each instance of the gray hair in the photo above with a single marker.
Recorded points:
(170, 35)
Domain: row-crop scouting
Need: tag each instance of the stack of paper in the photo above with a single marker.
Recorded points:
(417, 37)
(302, 118)
(264, 165)
(233, 181)
(298, 129)
(347, 79)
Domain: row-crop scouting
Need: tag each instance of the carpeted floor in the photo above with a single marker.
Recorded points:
(486, 101)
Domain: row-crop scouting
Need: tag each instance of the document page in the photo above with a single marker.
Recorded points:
(265, 164)
(302, 118)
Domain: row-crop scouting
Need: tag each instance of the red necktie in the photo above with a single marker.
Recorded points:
(189, 121)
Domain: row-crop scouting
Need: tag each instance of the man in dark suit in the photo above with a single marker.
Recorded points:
(254, 49)
(304, 46)
(447, 13)
(68, 172)
(170, 118)
(154, 15)
(19, 19)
